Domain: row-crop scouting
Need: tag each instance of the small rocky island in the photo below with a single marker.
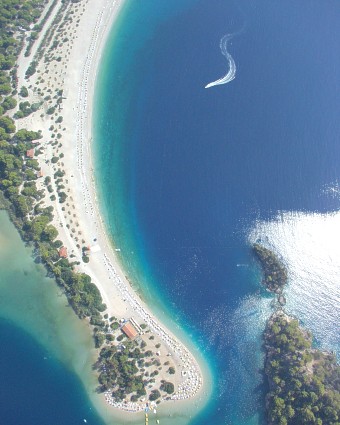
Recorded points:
(275, 273)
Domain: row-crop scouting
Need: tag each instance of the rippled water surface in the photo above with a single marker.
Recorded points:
(186, 174)
(187, 178)
(309, 244)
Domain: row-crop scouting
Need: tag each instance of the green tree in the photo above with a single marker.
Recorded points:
(5, 88)
(168, 387)
(49, 233)
(9, 103)
(23, 92)
(155, 394)
(7, 124)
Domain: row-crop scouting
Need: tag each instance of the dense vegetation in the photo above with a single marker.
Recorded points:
(119, 371)
(16, 18)
(38, 27)
(125, 370)
(275, 274)
(304, 384)
(16, 175)
(125, 367)
(19, 174)
(17, 182)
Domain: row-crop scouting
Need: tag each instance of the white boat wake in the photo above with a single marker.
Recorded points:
(232, 65)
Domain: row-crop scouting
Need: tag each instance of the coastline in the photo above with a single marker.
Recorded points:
(104, 267)
(41, 310)
(240, 308)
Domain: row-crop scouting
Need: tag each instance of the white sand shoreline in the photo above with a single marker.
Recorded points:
(78, 77)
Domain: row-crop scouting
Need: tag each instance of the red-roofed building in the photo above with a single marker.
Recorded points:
(63, 252)
(30, 153)
(129, 330)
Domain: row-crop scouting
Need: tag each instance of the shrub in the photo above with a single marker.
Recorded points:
(59, 173)
(168, 387)
(9, 103)
(23, 92)
(50, 110)
(57, 244)
(155, 394)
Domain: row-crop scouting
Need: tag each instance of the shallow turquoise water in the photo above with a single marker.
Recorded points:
(185, 174)
(43, 344)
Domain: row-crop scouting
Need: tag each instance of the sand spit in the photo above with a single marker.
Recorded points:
(67, 64)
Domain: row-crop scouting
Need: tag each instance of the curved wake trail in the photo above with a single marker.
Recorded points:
(232, 65)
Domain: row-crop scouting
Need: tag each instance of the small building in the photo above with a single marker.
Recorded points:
(40, 173)
(63, 252)
(30, 153)
(129, 330)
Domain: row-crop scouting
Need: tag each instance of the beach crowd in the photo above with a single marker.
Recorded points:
(190, 373)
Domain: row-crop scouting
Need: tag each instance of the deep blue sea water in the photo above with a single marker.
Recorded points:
(35, 387)
(42, 344)
(185, 172)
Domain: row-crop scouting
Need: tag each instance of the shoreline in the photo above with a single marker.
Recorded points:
(111, 262)
(104, 268)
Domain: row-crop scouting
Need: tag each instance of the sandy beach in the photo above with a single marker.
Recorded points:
(78, 219)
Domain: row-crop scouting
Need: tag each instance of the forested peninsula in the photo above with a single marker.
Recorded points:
(303, 382)
(138, 362)
(19, 168)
